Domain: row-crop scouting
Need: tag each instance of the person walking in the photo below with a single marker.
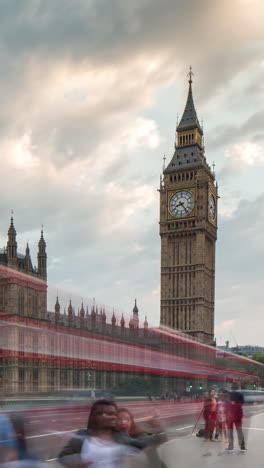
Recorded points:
(234, 419)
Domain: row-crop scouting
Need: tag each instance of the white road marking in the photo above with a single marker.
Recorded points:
(255, 428)
(51, 434)
(74, 430)
(184, 427)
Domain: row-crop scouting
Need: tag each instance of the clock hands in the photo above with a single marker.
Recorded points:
(181, 204)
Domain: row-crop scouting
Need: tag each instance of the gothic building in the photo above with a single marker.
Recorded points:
(68, 350)
(188, 231)
(41, 351)
(23, 288)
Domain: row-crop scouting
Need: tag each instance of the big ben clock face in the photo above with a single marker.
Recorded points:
(212, 207)
(181, 204)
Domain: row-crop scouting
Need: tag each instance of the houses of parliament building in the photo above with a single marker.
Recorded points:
(43, 351)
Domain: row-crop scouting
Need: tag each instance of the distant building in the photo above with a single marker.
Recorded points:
(249, 350)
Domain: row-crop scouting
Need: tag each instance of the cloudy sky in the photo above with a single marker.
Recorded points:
(90, 91)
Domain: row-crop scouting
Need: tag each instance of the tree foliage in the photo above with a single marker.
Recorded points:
(258, 357)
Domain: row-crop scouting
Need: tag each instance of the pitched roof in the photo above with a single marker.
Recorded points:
(189, 118)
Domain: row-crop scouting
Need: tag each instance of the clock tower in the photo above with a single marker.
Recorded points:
(188, 231)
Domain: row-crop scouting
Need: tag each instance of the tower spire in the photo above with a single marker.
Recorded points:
(188, 147)
(135, 309)
(28, 262)
(42, 256)
(12, 243)
(189, 118)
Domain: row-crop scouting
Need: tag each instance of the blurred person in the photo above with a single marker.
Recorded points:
(234, 418)
(125, 422)
(17, 454)
(18, 422)
(147, 438)
(153, 433)
(101, 443)
(221, 415)
(209, 413)
(8, 442)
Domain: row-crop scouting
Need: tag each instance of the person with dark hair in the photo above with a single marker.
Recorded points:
(100, 443)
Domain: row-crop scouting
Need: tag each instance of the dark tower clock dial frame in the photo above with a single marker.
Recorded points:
(188, 231)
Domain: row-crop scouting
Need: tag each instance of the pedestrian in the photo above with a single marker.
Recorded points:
(101, 443)
(221, 415)
(8, 442)
(152, 435)
(209, 414)
(234, 418)
(125, 422)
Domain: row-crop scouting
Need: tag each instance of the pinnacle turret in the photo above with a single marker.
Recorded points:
(12, 244)
(135, 309)
(82, 311)
(57, 306)
(42, 256)
(28, 263)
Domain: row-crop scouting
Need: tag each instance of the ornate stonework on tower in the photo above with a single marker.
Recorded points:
(23, 289)
(188, 230)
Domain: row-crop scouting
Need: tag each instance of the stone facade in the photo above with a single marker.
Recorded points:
(188, 231)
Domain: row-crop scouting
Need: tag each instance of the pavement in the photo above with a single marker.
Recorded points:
(191, 451)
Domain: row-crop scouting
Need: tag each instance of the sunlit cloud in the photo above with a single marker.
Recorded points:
(21, 153)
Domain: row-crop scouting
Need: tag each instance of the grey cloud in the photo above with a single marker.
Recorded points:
(224, 135)
(239, 272)
(239, 246)
(37, 36)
